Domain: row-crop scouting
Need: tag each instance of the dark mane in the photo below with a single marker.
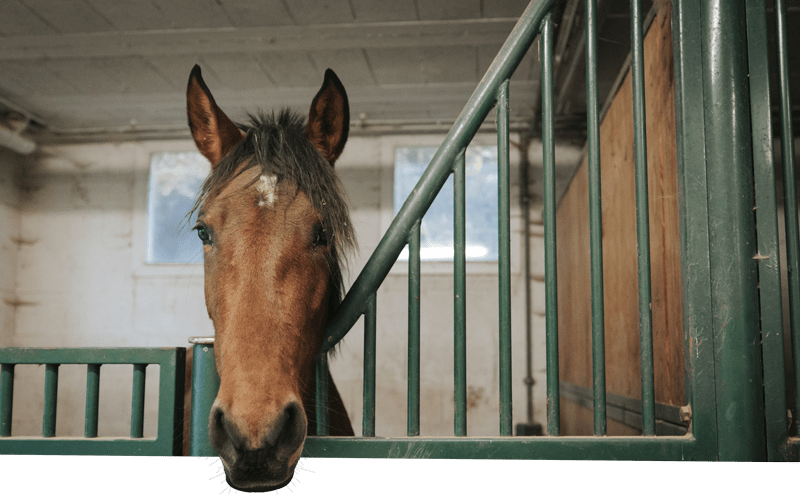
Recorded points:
(279, 146)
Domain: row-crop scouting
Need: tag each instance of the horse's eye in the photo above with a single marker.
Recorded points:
(202, 233)
(318, 236)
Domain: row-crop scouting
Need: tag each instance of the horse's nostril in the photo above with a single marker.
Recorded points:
(288, 432)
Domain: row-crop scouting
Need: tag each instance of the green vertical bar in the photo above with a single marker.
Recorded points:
(460, 304)
(50, 399)
(92, 399)
(595, 222)
(137, 401)
(6, 398)
(504, 258)
(205, 385)
(790, 191)
(322, 395)
(737, 340)
(769, 275)
(550, 257)
(413, 329)
(642, 223)
(368, 420)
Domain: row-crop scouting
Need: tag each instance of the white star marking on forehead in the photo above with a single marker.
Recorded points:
(266, 188)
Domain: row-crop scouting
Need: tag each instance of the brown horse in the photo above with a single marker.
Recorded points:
(273, 224)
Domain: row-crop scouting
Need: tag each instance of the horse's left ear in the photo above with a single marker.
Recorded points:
(329, 118)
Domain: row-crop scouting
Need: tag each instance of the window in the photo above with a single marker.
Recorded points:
(175, 181)
(437, 225)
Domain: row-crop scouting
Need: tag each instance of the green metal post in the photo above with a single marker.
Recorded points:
(370, 318)
(50, 399)
(322, 395)
(205, 385)
(789, 190)
(769, 274)
(642, 223)
(550, 254)
(6, 398)
(137, 402)
(504, 258)
(413, 329)
(92, 399)
(737, 341)
(595, 222)
(459, 297)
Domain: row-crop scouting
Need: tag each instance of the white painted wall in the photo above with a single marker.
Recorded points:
(81, 266)
(10, 166)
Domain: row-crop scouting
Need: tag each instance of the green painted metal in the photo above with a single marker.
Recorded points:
(437, 172)
(92, 399)
(642, 223)
(322, 395)
(549, 213)
(205, 384)
(414, 274)
(700, 380)
(370, 326)
(6, 398)
(595, 222)
(769, 274)
(505, 448)
(789, 190)
(137, 401)
(504, 259)
(50, 400)
(459, 296)
(169, 437)
(737, 340)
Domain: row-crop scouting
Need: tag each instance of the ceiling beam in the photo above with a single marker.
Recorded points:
(469, 32)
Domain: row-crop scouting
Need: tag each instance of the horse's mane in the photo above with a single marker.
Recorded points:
(278, 144)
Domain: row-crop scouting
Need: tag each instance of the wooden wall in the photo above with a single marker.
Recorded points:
(619, 249)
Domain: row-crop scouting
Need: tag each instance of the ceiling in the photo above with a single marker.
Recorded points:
(96, 70)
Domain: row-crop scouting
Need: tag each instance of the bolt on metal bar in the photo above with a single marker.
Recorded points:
(595, 222)
(504, 258)
(790, 188)
(459, 297)
(6, 398)
(370, 321)
(92, 399)
(642, 223)
(413, 329)
(205, 384)
(437, 172)
(322, 395)
(550, 254)
(50, 399)
(137, 402)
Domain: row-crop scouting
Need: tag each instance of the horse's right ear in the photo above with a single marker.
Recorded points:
(213, 132)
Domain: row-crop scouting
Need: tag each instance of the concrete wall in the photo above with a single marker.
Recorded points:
(10, 167)
(80, 268)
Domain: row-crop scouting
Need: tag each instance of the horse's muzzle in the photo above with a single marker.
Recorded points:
(264, 464)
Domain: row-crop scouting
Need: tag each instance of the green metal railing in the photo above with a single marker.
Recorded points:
(168, 441)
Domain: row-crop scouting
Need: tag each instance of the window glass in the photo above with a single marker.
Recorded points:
(175, 180)
(437, 224)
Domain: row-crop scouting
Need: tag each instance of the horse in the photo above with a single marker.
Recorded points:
(274, 227)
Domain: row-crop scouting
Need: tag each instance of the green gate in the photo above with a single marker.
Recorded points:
(733, 322)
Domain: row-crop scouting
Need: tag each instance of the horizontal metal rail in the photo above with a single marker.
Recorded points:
(168, 441)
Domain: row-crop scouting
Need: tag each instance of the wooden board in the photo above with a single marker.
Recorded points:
(620, 273)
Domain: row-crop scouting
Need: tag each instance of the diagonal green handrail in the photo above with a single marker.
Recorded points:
(437, 172)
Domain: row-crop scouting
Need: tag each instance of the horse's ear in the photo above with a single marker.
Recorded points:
(329, 118)
(213, 133)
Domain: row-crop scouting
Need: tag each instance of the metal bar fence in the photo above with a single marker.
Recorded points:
(168, 441)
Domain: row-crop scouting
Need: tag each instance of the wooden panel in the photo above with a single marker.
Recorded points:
(449, 9)
(620, 275)
(396, 10)
(320, 12)
(193, 13)
(69, 16)
(246, 13)
(131, 14)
